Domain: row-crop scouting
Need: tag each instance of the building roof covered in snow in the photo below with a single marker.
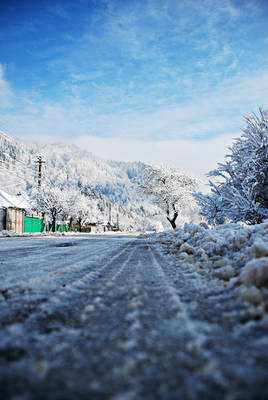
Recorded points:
(7, 200)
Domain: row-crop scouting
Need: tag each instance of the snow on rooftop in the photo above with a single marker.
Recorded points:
(7, 200)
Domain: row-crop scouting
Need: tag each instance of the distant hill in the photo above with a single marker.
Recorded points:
(112, 182)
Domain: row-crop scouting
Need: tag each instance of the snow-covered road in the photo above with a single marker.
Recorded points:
(114, 317)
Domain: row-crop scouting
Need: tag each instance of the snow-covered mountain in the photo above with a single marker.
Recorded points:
(115, 184)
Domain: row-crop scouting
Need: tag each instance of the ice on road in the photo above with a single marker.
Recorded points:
(114, 317)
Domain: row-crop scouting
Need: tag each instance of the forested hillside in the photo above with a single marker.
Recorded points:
(115, 185)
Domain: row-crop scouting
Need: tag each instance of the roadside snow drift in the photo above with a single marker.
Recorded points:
(233, 253)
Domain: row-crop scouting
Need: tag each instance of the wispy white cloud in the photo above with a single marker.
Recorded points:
(154, 47)
(208, 113)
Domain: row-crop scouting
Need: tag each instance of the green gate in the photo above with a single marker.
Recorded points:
(33, 224)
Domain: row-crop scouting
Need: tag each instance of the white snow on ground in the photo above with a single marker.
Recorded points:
(5, 233)
(233, 253)
(135, 316)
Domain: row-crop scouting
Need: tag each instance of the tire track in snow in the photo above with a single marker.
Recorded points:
(111, 281)
(196, 339)
(130, 344)
(212, 293)
(92, 275)
(126, 288)
(45, 274)
(93, 263)
(133, 306)
(33, 269)
(178, 306)
(80, 286)
(54, 300)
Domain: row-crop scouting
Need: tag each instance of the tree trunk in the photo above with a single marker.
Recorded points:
(175, 215)
(172, 220)
(70, 224)
(54, 224)
(79, 225)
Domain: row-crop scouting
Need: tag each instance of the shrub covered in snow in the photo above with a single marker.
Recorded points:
(241, 194)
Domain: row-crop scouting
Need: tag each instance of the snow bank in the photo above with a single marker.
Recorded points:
(256, 273)
(233, 253)
(5, 233)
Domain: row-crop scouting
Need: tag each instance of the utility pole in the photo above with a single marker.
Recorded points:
(110, 213)
(117, 216)
(117, 220)
(39, 162)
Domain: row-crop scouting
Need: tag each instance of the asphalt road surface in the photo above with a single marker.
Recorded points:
(114, 317)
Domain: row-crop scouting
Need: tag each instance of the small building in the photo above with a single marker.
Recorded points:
(95, 227)
(12, 210)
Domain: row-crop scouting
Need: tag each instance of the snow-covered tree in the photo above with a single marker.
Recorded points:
(51, 201)
(80, 208)
(241, 194)
(171, 189)
(211, 207)
(70, 210)
(86, 211)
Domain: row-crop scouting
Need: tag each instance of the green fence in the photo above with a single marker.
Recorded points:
(33, 224)
(62, 227)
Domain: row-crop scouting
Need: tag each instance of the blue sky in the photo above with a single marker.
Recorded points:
(157, 80)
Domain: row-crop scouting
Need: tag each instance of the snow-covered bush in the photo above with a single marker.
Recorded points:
(241, 194)
(171, 189)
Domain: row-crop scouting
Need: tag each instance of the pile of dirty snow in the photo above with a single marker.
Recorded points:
(233, 253)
